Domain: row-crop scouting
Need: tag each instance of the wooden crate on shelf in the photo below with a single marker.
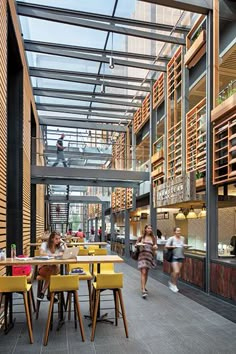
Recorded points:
(158, 91)
(195, 43)
(157, 159)
(142, 115)
(196, 138)
(113, 201)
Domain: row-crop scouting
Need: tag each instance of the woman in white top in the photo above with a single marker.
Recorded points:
(176, 243)
(52, 247)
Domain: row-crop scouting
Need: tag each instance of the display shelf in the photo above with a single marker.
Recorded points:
(196, 138)
(119, 152)
(195, 43)
(129, 198)
(121, 199)
(137, 119)
(158, 91)
(157, 160)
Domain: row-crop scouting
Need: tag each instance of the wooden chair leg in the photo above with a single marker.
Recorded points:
(76, 300)
(75, 316)
(123, 312)
(95, 312)
(30, 309)
(90, 297)
(69, 304)
(116, 306)
(39, 289)
(6, 300)
(28, 318)
(32, 299)
(45, 341)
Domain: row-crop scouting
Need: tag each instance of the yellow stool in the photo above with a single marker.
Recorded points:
(87, 276)
(59, 284)
(105, 268)
(18, 284)
(83, 252)
(109, 282)
(100, 251)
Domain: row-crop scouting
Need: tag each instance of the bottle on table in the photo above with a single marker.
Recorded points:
(13, 251)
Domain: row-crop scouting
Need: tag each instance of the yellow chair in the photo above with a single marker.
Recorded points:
(87, 276)
(100, 251)
(105, 268)
(93, 247)
(112, 282)
(18, 284)
(59, 284)
(83, 252)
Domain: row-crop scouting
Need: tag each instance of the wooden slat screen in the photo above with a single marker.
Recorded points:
(3, 122)
(158, 91)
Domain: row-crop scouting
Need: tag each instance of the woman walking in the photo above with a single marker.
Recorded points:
(147, 246)
(176, 243)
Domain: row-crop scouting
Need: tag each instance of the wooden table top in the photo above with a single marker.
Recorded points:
(73, 243)
(80, 259)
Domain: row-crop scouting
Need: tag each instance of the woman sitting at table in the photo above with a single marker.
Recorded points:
(53, 247)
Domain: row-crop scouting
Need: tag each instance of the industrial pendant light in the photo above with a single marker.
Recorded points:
(202, 213)
(180, 215)
(191, 214)
(111, 61)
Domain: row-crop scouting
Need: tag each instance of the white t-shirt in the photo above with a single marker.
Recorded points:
(178, 252)
(44, 248)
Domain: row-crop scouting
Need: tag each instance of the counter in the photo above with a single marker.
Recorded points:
(223, 278)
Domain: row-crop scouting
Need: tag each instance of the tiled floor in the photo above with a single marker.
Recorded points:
(163, 323)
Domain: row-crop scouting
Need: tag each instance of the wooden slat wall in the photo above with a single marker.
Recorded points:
(26, 172)
(3, 122)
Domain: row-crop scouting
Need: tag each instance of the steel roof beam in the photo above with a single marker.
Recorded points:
(83, 199)
(91, 119)
(90, 109)
(91, 75)
(105, 18)
(72, 52)
(82, 125)
(198, 6)
(69, 17)
(83, 182)
(66, 95)
(80, 110)
(62, 77)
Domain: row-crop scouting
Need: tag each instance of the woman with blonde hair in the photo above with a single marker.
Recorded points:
(147, 246)
(53, 247)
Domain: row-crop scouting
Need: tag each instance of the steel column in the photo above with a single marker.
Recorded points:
(112, 219)
(127, 233)
(133, 149)
(96, 230)
(103, 221)
(211, 190)
(184, 110)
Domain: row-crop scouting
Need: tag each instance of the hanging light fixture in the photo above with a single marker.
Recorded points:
(202, 213)
(111, 61)
(191, 214)
(180, 215)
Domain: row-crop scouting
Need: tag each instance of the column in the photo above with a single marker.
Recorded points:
(103, 221)
(184, 110)
(152, 139)
(112, 219)
(133, 156)
(96, 229)
(127, 233)
(211, 190)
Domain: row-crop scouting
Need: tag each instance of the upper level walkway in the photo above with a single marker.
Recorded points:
(163, 323)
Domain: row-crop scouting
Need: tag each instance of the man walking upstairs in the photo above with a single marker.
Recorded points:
(60, 152)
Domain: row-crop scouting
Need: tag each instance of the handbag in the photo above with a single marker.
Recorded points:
(135, 254)
(168, 253)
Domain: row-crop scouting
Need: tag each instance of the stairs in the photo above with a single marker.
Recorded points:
(59, 213)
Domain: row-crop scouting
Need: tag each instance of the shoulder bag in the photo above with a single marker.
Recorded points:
(168, 253)
(135, 254)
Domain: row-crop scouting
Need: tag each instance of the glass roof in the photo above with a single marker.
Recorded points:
(69, 68)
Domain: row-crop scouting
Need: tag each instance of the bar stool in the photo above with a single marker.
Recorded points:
(105, 268)
(109, 282)
(59, 284)
(17, 284)
(100, 251)
(87, 276)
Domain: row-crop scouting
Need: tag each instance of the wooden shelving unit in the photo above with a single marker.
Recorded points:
(196, 138)
(157, 160)
(158, 91)
(224, 141)
(174, 108)
(122, 199)
(195, 43)
(137, 120)
(142, 115)
(119, 153)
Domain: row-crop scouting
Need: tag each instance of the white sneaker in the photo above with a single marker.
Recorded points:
(173, 287)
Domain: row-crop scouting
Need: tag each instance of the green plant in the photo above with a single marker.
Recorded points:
(199, 175)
